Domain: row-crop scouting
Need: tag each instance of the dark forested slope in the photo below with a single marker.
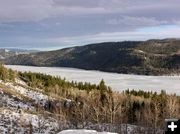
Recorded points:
(149, 57)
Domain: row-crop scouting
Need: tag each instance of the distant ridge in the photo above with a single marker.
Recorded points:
(152, 57)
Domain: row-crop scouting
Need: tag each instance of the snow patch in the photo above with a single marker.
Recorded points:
(83, 131)
(36, 96)
(13, 121)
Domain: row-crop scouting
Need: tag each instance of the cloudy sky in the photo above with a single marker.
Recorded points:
(54, 24)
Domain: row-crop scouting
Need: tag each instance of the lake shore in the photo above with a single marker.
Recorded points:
(118, 82)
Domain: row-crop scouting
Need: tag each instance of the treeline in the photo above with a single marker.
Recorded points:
(99, 104)
(57, 85)
(118, 108)
(141, 93)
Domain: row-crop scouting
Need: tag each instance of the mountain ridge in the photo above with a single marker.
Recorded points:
(152, 57)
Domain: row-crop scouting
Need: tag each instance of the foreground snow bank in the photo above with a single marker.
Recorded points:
(12, 121)
(83, 131)
(36, 96)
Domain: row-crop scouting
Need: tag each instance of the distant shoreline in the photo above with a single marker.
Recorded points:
(176, 74)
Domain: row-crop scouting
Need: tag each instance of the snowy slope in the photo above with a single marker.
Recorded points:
(83, 131)
(19, 122)
(37, 97)
(20, 116)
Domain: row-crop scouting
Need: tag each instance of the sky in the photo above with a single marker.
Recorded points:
(55, 24)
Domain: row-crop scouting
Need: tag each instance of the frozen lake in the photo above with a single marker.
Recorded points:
(118, 82)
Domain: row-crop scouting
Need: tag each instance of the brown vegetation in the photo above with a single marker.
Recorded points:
(81, 103)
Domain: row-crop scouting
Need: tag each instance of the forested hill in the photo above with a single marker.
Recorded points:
(152, 57)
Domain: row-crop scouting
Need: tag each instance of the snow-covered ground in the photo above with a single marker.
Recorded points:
(20, 117)
(13, 121)
(36, 96)
(16, 116)
(12, 102)
(83, 131)
(118, 82)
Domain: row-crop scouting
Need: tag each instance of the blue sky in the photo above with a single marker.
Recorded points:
(54, 24)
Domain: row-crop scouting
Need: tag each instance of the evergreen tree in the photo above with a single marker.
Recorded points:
(102, 86)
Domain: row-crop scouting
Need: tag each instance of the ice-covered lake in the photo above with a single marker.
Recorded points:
(118, 82)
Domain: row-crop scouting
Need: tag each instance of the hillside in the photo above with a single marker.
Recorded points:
(26, 108)
(10, 52)
(39, 103)
(152, 57)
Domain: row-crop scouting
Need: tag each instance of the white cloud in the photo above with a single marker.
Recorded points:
(60, 42)
(153, 33)
(133, 35)
(55, 21)
(33, 10)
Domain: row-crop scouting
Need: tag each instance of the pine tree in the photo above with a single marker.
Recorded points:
(102, 86)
